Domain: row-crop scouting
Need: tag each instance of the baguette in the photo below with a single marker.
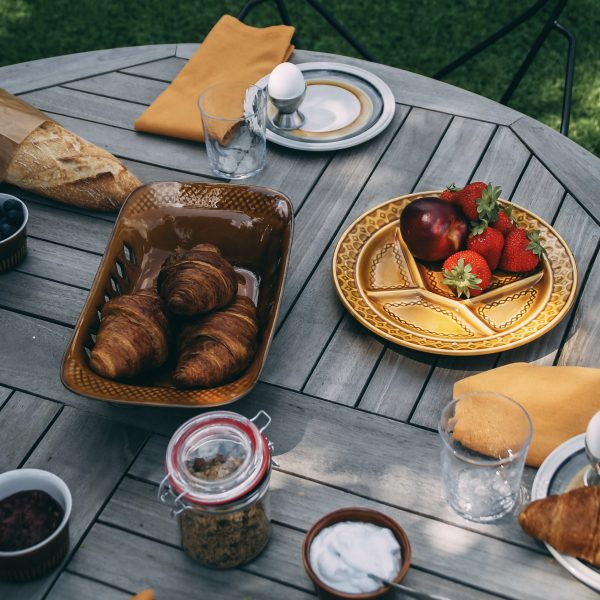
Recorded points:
(54, 162)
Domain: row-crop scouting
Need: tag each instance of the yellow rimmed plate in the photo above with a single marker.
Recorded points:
(405, 301)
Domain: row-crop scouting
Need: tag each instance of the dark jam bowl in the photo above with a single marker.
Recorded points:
(14, 248)
(38, 560)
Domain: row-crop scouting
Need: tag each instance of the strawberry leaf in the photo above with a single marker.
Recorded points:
(535, 245)
(462, 279)
(478, 227)
(488, 205)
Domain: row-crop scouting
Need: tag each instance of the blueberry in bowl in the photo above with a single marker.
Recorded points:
(13, 231)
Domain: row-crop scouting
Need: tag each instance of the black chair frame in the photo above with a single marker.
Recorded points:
(550, 24)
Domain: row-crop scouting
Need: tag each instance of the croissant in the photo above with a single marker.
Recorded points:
(569, 522)
(197, 281)
(133, 336)
(216, 348)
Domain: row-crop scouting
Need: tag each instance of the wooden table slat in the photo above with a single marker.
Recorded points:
(539, 191)
(503, 161)
(70, 585)
(576, 168)
(4, 395)
(20, 432)
(457, 155)
(163, 70)
(121, 86)
(60, 263)
(37, 74)
(122, 558)
(81, 105)
(582, 339)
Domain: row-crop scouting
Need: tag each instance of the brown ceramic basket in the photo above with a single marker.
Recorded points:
(252, 226)
(364, 515)
(14, 248)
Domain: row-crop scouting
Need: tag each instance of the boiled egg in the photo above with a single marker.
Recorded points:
(286, 81)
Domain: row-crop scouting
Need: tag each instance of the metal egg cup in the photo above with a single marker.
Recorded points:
(288, 117)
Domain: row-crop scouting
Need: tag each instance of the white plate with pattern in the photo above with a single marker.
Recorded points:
(562, 471)
(344, 106)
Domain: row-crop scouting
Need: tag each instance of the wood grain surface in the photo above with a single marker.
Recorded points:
(354, 416)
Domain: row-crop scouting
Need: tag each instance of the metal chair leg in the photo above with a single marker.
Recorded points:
(535, 48)
(570, 71)
(285, 17)
(492, 39)
(345, 33)
(247, 8)
(551, 23)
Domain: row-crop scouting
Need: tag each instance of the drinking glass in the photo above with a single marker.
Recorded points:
(234, 116)
(485, 437)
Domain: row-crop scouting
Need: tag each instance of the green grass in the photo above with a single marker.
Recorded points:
(417, 35)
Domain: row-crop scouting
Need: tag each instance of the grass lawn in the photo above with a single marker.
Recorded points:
(418, 35)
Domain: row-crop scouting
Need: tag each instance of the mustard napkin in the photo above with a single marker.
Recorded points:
(144, 595)
(560, 400)
(231, 51)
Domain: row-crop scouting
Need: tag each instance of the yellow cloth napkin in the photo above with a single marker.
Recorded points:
(144, 595)
(560, 400)
(231, 51)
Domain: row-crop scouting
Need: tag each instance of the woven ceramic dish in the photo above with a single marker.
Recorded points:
(253, 229)
(405, 301)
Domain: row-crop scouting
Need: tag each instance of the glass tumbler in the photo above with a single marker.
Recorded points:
(234, 116)
(485, 437)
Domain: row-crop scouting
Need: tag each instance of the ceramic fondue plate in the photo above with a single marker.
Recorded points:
(562, 471)
(405, 301)
(344, 106)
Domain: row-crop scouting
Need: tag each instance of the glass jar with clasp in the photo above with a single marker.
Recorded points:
(217, 484)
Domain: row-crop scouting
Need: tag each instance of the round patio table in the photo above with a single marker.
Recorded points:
(353, 416)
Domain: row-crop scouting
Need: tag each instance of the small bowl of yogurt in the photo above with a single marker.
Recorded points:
(345, 545)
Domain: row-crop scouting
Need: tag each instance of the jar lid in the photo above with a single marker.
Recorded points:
(217, 457)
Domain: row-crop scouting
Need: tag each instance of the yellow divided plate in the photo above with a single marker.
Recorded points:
(405, 301)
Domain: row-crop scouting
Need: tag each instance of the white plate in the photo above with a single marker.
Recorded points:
(340, 98)
(542, 484)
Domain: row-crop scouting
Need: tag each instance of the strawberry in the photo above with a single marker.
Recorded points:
(504, 223)
(467, 273)
(479, 201)
(488, 243)
(449, 193)
(522, 250)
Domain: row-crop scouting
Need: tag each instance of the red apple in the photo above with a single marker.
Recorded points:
(433, 229)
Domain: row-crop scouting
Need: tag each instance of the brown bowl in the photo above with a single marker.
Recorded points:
(36, 561)
(14, 248)
(252, 227)
(364, 515)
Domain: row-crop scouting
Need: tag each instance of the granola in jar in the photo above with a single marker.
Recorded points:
(219, 467)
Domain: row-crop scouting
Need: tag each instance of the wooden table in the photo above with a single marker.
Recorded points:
(353, 416)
